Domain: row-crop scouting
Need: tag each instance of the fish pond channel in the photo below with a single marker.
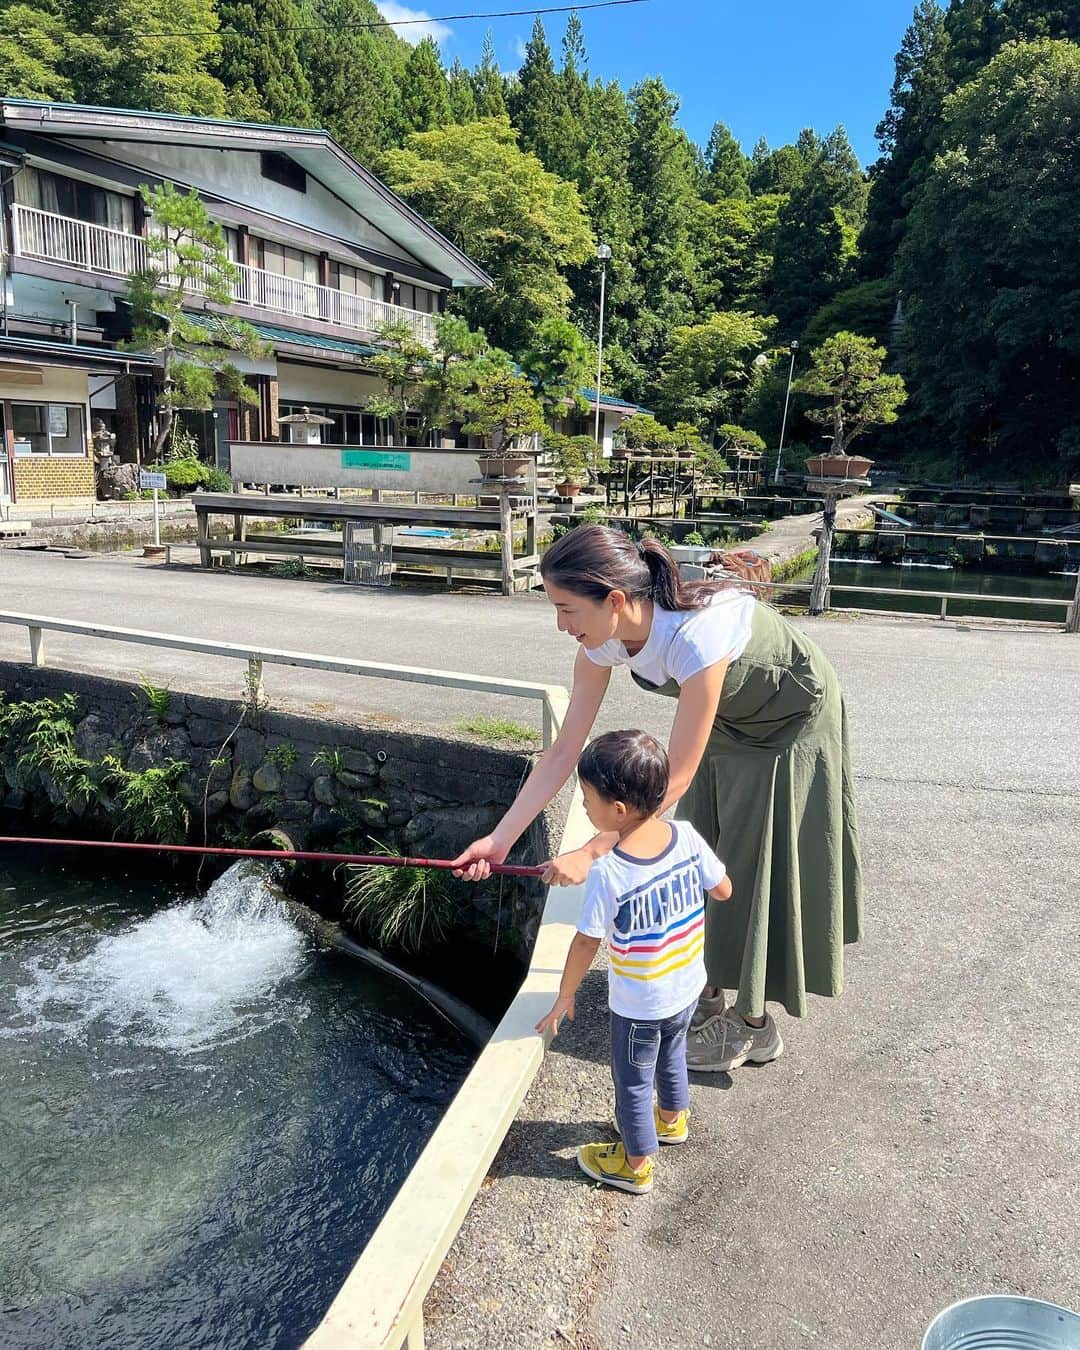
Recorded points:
(203, 1114)
(878, 577)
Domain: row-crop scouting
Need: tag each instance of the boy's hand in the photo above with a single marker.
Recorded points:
(569, 869)
(562, 1007)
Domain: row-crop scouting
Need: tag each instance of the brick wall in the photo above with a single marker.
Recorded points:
(42, 476)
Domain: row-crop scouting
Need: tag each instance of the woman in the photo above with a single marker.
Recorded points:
(760, 763)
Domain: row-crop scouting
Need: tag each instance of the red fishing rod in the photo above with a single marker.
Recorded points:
(291, 855)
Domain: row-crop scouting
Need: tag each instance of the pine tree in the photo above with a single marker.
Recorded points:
(263, 66)
(773, 171)
(907, 134)
(726, 167)
(489, 87)
(425, 97)
(355, 77)
(662, 178)
(537, 100)
(460, 94)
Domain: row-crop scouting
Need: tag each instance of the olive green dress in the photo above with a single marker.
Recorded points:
(774, 795)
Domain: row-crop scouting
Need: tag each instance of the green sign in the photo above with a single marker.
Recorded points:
(376, 459)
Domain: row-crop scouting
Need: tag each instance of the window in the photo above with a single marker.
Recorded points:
(417, 297)
(72, 197)
(48, 429)
(355, 281)
(281, 169)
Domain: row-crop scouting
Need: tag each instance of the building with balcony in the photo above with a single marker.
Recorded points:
(325, 255)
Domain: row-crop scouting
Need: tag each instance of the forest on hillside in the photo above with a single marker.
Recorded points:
(957, 251)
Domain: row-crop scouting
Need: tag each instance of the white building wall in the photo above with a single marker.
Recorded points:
(236, 175)
(309, 384)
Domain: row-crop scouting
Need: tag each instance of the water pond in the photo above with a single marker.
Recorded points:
(203, 1116)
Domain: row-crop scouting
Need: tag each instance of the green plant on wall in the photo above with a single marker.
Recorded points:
(401, 907)
(158, 699)
(148, 803)
(284, 756)
(330, 759)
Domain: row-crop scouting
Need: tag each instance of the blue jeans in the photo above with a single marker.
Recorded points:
(644, 1056)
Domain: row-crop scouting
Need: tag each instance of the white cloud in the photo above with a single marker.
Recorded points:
(520, 48)
(392, 12)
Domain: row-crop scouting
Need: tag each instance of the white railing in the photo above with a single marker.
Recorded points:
(99, 249)
(553, 699)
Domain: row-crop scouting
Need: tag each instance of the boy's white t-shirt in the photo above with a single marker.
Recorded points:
(652, 913)
(683, 642)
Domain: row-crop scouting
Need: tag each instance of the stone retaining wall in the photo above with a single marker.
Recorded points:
(330, 785)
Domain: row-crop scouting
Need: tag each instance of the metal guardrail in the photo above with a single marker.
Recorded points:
(552, 698)
(943, 596)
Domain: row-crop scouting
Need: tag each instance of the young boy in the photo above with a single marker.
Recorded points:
(647, 897)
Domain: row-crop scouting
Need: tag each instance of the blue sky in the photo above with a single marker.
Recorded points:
(765, 67)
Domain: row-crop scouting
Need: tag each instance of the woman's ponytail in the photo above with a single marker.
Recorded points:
(593, 560)
(669, 590)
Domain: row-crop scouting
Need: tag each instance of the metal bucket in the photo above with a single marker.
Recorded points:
(1003, 1322)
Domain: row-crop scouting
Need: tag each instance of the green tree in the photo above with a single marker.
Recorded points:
(460, 94)
(867, 308)
(559, 363)
(816, 234)
(259, 61)
(537, 102)
(521, 223)
(489, 86)
(727, 167)
(355, 75)
(614, 214)
(846, 371)
(187, 257)
(989, 264)
(32, 53)
(662, 177)
(774, 172)
(432, 385)
(706, 364)
(425, 97)
(501, 407)
(734, 240)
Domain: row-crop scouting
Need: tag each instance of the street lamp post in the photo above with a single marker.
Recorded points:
(603, 252)
(794, 349)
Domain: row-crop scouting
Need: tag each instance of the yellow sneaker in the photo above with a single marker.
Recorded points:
(607, 1163)
(672, 1131)
(667, 1131)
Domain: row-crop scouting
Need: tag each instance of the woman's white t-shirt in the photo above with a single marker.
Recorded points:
(684, 642)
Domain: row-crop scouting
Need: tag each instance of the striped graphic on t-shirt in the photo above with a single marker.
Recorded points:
(660, 926)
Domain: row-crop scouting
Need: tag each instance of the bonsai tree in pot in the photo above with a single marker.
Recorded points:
(846, 371)
(572, 466)
(502, 408)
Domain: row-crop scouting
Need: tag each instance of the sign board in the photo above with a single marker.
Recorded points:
(399, 460)
(151, 480)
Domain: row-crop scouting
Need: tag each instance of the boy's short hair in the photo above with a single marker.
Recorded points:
(627, 766)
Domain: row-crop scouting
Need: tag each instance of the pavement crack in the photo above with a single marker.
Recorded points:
(969, 787)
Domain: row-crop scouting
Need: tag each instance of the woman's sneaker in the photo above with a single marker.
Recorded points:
(607, 1163)
(667, 1131)
(707, 1010)
(727, 1042)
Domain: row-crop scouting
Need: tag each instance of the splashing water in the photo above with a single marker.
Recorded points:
(201, 973)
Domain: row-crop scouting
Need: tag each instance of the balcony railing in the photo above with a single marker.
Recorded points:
(107, 252)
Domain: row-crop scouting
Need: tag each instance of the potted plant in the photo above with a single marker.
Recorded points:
(571, 468)
(502, 408)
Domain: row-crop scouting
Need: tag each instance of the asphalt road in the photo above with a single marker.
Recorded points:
(916, 1144)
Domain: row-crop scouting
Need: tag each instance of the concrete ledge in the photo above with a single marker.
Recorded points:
(381, 1302)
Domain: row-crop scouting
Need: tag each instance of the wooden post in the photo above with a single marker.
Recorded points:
(506, 531)
(819, 590)
(202, 518)
(1072, 615)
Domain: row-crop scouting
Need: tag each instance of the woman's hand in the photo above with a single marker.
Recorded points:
(562, 1007)
(569, 869)
(475, 863)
